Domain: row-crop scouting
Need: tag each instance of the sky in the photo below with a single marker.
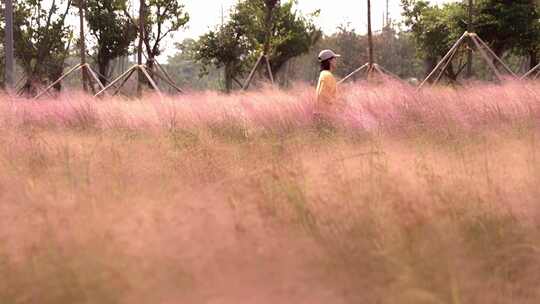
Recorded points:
(206, 14)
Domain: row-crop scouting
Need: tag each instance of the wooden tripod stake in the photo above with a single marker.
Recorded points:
(483, 49)
(142, 69)
(9, 61)
(534, 72)
(469, 51)
(86, 70)
(370, 67)
(270, 6)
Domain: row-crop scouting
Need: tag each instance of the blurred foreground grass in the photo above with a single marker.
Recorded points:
(216, 216)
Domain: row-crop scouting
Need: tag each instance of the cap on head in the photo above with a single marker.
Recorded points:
(327, 54)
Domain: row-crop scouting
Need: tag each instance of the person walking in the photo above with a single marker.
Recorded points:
(327, 104)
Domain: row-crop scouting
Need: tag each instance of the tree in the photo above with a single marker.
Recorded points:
(290, 34)
(226, 48)
(237, 44)
(507, 26)
(435, 29)
(42, 41)
(113, 31)
(186, 71)
(394, 49)
(161, 18)
(350, 45)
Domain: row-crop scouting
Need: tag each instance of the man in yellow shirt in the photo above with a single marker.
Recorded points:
(327, 103)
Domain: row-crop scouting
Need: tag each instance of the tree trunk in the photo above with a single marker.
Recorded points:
(533, 59)
(470, 29)
(150, 65)
(228, 78)
(103, 67)
(29, 88)
(55, 74)
(429, 63)
(451, 74)
(82, 46)
(370, 36)
(140, 76)
(8, 46)
(268, 31)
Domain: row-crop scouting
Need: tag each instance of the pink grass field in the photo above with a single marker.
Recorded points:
(392, 108)
(412, 197)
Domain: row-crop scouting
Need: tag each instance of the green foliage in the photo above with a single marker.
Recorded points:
(225, 48)
(186, 70)
(435, 29)
(42, 40)
(112, 30)
(394, 50)
(237, 44)
(162, 17)
(507, 26)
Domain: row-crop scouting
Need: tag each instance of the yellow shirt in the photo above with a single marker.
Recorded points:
(326, 93)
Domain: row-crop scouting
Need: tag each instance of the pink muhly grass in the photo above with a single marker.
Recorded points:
(93, 214)
(392, 107)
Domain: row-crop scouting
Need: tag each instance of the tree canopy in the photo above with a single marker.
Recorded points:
(507, 26)
(42, 39)
(237, 44)
(113, 31)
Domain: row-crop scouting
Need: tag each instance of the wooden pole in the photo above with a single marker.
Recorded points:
(445, 58)
(490, 51)
(252, 73)
(448, 62)
(529, 73)
(270, 7)
(83, 46)
(487, 59)
(469, 51)
(387, 13)
(269, 69)
(353, 73)
(140, 46)
(269, 23)
(370, 34)
(73, 69)
(119, 78)
(9, 61)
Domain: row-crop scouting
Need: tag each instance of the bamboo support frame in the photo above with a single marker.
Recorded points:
(494, 55)
(84, 67)
(483, 49)
(534, 70)
(371, 66)
(443, 60)
(169, 82)
(254, 70)
(126, 75)
(386, 72)
(448, 62)
(112, 83)
(353, 73)
(269, 19)
(165, 77)
(126, 78)
(486, 57)
(269, 69)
